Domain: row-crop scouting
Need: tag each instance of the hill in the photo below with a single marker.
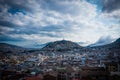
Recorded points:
(62, 45)
(9, 48)
(115, 44)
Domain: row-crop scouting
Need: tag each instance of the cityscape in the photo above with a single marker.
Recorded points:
(60, 61)
(59, 39)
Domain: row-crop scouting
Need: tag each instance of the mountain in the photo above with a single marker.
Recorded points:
(39, 46)
(62, 45)
(9, 48)
(84, 44)
(59, 46)
(98, 44)
(114, 45)
(117, 41)
(102, 41)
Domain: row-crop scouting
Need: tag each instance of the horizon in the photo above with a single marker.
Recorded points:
(40, 46)
(31, 23)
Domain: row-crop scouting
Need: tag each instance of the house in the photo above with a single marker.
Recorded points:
(95, 73)
(49, 77)
(36, 77)
(113, 68)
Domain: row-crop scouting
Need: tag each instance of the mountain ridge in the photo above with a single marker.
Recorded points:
(62, 45)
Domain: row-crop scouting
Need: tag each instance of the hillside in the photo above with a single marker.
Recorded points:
(112, 45)
(62, 45)
(9, 48)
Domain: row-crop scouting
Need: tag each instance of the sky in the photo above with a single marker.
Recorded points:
(29, 23)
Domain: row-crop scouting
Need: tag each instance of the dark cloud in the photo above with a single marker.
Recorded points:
(62, 6)
(5, 27)
(8, 38)
(110, 5)
(7, 24)
(50, 34)
(51, 28)
(44, 31)
(14, 11)
(19, 30)
(23, 31)
(17, 4)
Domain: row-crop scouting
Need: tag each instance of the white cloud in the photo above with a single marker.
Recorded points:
(4, 30)
(114, 15)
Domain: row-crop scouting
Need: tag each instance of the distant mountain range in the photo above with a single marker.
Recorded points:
(62, 45)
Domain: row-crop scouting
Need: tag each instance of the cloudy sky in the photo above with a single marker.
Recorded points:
(32, 22)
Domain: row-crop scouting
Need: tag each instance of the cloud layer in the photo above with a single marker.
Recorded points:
(41, 21)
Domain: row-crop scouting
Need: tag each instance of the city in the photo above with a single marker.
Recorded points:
(54, 64)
